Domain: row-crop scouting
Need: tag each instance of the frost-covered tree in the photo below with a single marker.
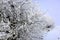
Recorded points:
(22, 20)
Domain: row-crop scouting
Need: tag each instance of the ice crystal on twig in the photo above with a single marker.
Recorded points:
(22, 20)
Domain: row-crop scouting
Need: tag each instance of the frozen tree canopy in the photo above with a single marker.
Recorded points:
(22, 20)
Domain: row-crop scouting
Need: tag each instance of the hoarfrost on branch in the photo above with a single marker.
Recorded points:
(22, 20)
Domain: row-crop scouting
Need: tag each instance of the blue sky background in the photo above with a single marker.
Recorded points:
(51, 7)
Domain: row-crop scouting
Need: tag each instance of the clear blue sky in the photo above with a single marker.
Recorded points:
(52, 7)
